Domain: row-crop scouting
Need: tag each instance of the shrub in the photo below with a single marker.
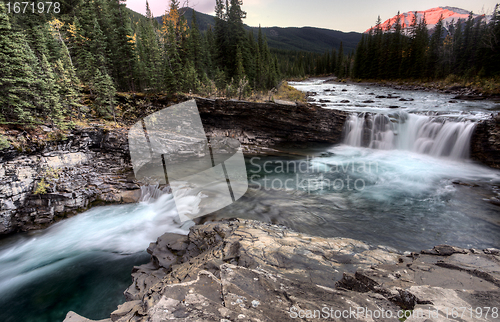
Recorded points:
(4, 143)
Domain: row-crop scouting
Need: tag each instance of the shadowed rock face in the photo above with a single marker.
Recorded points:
(251, 271)
(485, 142)
(269, 123)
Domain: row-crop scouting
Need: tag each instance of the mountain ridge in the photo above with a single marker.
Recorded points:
(310, 39)
(450, 16)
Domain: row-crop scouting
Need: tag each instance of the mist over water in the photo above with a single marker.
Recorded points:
(422, 134)
(402, 178)
(82, 263)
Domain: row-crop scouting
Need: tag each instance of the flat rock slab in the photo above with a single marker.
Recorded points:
(74, 317)
(244, 270)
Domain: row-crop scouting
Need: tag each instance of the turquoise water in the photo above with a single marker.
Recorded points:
(81, 264)
(395, 198)
(391, 191)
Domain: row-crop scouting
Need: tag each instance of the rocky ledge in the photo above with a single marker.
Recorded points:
(43, 183)
(242, 270)
(271, 123)
(485, 142)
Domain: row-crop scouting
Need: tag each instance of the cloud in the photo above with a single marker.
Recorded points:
(205, 6)
(158, 7)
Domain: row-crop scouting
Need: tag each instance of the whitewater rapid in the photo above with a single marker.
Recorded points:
(123, 229)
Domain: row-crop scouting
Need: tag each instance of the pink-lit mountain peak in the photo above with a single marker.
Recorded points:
(431, 17)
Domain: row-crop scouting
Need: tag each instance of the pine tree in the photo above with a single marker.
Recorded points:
(149, 71)
(340, 62)
(121, 45)
(17, 78)
(221, 36)
(104, 94)
(435, 48)
(196, 50)
(51, 104)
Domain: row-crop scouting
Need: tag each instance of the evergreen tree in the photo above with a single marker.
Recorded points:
(435, 49)
(50, 101)
(104, 94)
(121, 45)
(17, 78)
(340, 62)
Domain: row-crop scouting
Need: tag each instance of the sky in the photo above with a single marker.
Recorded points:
(343, 15)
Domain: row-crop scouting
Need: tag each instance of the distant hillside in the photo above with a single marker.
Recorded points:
(310, 39)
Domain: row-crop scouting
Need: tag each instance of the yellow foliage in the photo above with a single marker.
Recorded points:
(56, 25)
(173, 17)
(289, 93)
(75, 34)
(132, 39)
(41, 187)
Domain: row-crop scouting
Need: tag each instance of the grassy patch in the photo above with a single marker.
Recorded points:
(289, 93)
(49, 175)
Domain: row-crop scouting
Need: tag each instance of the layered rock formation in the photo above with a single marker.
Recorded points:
(94, 164)
(89, 165)
(485, 142)
(244, 270)
(270, 123)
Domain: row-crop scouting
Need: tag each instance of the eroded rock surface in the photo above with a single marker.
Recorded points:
(89, 165)
(485, 142)
(244, 270)
(93, 164)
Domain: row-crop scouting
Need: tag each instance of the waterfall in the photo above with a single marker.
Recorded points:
(151, 193)
(122, 229)
(417, 133)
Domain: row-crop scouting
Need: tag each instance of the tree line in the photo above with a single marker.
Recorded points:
(465, 48)
(94, 48)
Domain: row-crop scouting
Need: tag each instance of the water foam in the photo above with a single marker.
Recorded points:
(417, 133)
(122, 229)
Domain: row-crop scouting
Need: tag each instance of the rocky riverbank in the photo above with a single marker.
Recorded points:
(243, 270)
(44, 181)
(471, 92)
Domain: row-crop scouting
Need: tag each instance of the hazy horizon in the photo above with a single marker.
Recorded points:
(357, 15)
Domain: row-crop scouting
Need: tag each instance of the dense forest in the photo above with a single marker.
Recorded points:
(98, 47)
(466, 49)
(60, 66)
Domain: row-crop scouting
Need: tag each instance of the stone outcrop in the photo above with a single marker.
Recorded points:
(268, 124)
(89, 165)
(485, 142)
(93, 164)
(243, 270)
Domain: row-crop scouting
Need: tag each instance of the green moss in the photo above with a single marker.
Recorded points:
(4, 143)
(407, 314)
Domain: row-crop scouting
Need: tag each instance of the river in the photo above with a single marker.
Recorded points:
(401, 178)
